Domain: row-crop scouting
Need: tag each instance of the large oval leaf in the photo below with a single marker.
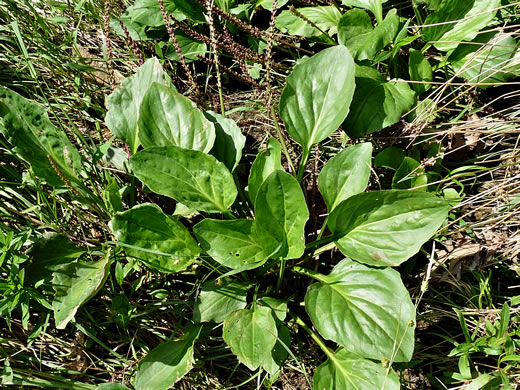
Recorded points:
(345, 174)
(265, 163)
(217, 300)
(28, 129)
(193, 178)
(167, 363)
(231, 243)
(346, 371)
(317, 96)
(251, 334)
(458, 20)
(386, 227)
(489, 58)
(160, 241)
(364, 42)
(376, 103)
(168, 118)
(124, 103)
(76, 283)
(324, 17)
(229, 140)
(375, 6)
(280, 214)
(366, 310)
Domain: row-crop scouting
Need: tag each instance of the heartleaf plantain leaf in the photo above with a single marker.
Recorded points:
(345, 174)
(346, 371)
(193, 178)
(125, 102)
(49, 253)
(265, 163)
(167, 363)
(217, 300)
(374, 6)
(280, 215)
(366, 310)
(420, 70)
(317, 96)
(168, 118)
(409, 175)
(376, 103)
(385, 228)
(160, 241)
(231, 243)
(490, 58)
(75, 283)
(251, 334)
(456, 21)
(325, 17)
(274, 361)
(229, 140)
(355, 31)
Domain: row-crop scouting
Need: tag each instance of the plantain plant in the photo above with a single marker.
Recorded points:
(246, 234)
(253, 239)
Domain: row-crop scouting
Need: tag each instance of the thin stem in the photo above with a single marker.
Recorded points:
(280, 275)
(282, 140)
(303, 163)
(323, 226)
(314, 336)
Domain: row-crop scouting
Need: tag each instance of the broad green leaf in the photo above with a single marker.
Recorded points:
(28, 129)
(377, 103)
(191, 177)
(374, 6)
(168, 118)
(345, 174)
(265, 163)
(313, 104)
(278, 306)
(145, 12)
(193, 10)
(317, 96)
(390, 158)
(124, 103)
(325, 17)
(160, 241)
(251, 334)
(354, 28)
(458, 20)
(409, 175)
(144, 19)
(47, 254)
(167, 363)
(366, 310)
(490, 58)
(274, 361)
(420, 70)
(190, 48)
(280, 214)
(232, 243)
(229, 140)
(385, 228)
(217, 300)
(75, 283)
(364, 42)
(346, 371)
